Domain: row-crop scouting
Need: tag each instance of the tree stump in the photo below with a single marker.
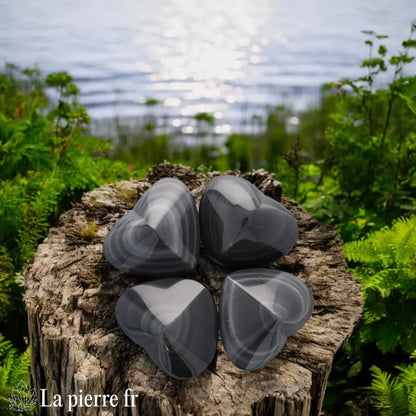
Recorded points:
(71, 292)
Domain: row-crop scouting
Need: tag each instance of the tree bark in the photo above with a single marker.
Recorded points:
(76, 343)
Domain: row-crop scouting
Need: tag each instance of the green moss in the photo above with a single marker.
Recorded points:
(90, 231)
(126, 194)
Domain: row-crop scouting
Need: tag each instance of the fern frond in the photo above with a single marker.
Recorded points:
(360, 251)
(383, 281)
(13, 367)
(5, 347)
(13, 370)
(400, 399)
(388, 245)
(388, 394)
(21, 368)
(404, 240)
(380, 389)
(412, 402)
(388, 276)
(6, 368)
(408, 376)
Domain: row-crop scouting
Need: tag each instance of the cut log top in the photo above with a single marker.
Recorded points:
(71, 292)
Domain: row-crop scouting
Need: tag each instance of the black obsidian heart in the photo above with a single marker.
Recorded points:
(259, 309)
(175, 321)
(241, 227)
(159, 236)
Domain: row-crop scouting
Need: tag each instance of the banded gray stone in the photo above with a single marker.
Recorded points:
(259, 310)
(159, 236)
(175, 321)
(242, 227)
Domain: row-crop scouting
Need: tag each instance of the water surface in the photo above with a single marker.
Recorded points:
(229, 58)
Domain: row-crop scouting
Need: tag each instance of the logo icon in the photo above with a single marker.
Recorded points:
(22, 399)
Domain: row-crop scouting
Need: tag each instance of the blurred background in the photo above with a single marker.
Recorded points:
(231, 60)
(93, 92)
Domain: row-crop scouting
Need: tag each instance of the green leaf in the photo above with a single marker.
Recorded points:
(386, 334)
(151, 102)
(382, 50)
(58, 79)
(395, 60)
(374, 62)
(355, 369)
(410, 43)
(410, 103)
(206, 117)
(403, 58)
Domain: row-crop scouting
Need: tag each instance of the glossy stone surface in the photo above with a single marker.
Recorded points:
(159, 236)
(259, 309)
(175, 321)
(241, 227)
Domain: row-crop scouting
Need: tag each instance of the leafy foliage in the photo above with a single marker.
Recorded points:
(46, 160)
(384, 262)
(372, 144)
(364, 183)
(394, 395)
(352, 162)
(387, 272)
(14, 368)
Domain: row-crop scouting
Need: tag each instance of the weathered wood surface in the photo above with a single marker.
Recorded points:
(76, 343)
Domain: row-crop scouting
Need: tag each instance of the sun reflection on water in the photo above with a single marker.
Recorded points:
(207, 49)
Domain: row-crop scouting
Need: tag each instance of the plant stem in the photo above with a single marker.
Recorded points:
(386, 124)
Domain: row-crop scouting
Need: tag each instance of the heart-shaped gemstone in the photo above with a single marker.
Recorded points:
(159, 236)
(259, 309)
(175, 321)
(242, 227)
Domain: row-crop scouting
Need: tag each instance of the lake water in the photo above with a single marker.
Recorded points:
(226, 57)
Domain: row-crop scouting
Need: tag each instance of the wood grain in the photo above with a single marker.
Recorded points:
(76, 343)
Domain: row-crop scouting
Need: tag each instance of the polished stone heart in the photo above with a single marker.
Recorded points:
(242, 227)
(259, 309)
(159, 236)
(175, 321)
